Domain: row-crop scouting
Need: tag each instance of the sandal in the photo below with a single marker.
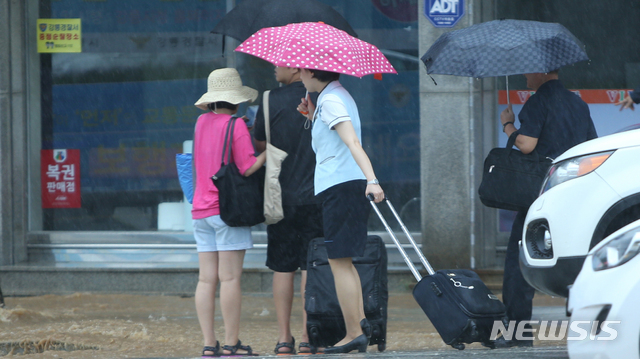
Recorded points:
(304, 348)
(308, 349)
(215, 350)
(234, 349)
(291, 346)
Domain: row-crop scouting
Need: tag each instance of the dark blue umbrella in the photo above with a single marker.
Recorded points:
(502, 48)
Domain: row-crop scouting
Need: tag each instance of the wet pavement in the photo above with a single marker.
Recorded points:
(137, 326)
(513, 353)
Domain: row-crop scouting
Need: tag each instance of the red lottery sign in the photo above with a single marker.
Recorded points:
(60, 178)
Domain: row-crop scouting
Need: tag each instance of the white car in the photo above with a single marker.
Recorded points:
(607, 290)
(591, 191)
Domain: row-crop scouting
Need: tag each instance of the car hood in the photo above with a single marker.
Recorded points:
(606, 143)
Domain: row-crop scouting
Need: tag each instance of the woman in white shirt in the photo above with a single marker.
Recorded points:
(343, 178)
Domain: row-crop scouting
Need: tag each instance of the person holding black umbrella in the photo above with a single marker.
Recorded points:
(343, 176)
(289, 239)
(552, 120)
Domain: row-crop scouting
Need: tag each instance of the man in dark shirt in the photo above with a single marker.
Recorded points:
(288, 239)
(553, 120)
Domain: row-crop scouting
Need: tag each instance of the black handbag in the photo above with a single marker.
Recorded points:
(241, 198)
(512, 180)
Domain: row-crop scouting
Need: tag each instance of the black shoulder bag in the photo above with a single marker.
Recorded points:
(241, 198)
(512, 180)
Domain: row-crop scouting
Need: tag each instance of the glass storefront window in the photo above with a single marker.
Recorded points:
(126, 101)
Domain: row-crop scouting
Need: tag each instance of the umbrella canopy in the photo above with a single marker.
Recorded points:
(502, 48)
(252, 15)
(314, 45)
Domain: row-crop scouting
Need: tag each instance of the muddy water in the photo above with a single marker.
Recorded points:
(134, 326)
(152, 326)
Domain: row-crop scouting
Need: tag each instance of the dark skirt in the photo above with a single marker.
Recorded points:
(345, 210)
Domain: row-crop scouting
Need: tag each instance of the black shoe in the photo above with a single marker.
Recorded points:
(509, 343)
(366, 328)
(360, 343)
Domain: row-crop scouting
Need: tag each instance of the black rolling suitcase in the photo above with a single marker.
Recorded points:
(325, 324)
(457, 302)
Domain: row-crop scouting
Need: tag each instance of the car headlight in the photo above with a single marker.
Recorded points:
(573, 168)
(618, 251)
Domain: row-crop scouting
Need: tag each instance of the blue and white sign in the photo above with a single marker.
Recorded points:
(444, 13)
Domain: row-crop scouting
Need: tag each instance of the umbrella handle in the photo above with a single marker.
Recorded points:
(507, 82)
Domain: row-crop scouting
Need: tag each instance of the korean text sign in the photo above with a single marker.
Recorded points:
(59, 35)
(60, 178)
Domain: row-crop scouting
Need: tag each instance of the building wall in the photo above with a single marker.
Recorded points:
(451, 218)
(455, 133)
(5, 135)
(608, 29)
(457, 118)
(13, 133)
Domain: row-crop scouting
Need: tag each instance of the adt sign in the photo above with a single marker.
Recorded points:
(444, 13)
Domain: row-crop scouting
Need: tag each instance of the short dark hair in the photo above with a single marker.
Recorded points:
(325, 76)
(221, 104)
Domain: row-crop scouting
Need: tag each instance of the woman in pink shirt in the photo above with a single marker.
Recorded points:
(221, 248)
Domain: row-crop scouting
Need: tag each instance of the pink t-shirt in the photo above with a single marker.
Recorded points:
(207, 149)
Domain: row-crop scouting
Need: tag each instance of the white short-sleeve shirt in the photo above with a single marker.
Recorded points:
(334, 162)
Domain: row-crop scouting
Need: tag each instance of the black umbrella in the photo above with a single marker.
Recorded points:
(502, 48)
(252, 15)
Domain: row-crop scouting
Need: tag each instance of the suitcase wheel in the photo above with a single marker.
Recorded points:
(473, 329)
(458, 346)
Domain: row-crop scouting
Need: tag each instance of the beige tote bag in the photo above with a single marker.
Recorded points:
(272, 192)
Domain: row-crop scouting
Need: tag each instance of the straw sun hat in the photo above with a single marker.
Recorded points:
(226, 85)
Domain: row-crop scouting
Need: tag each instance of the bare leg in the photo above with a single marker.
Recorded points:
(358, 285)
(205, 297)
(230, 271)
(349, 291)
(283, 300)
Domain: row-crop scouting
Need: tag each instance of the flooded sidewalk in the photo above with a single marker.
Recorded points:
(138, 326)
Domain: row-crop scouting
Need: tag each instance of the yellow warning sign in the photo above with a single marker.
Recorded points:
(59, 35)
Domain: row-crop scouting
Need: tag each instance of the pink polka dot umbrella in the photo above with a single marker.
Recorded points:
(315, 45)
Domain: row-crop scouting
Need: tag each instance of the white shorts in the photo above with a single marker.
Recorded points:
(213, 235)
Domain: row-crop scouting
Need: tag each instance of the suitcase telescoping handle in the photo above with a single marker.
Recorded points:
(397, 242)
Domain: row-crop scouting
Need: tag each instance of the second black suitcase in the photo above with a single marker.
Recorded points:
(460, 306)
(325, 324)
(457, 302)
